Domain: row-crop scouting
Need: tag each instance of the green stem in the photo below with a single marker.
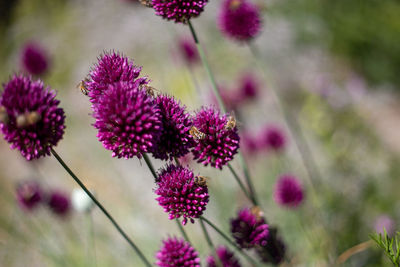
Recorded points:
(207, 67)
(150, 165)
(241, 185)
(206, 235)
(183, 232)
(223, 235)
(98, 204)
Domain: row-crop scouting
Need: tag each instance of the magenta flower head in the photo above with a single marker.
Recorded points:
(179, 11)
(30, 118)
(188, 50)
(274, 250)
(175, 140)
(288, 191)
(249, 228)
(34, 59)
(274, 138)
(59, 203)
(180, 193)
(385, 222)
(177, 252)
(127, 119)
(249, 87)
(110, 68)
(29, 194)
(239, 19)
(226, 257)
(216, 136)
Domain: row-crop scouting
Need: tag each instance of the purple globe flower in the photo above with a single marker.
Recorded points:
(30, 118)
(29, 195)
(59, 203)
(128, 120)
(111, 68)
(249, 87)
(249, 228)
(216, 141)
(239, 19)
(274, 138)
(34, 59)
(288, 191)
(188, 50)
(177, 252)
(179, 10)
(175, 140)
(274, 250)
(180, 193)
(226, 257)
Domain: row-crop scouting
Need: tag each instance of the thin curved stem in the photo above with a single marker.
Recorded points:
(150, 165)
(223, 235)
(241, 185)
(98, 204)
(206, 235)
(183, 232)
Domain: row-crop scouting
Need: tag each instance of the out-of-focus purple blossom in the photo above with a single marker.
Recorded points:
(188, 50)
(239, 19)
(59, 203)
(249, 229)
(384, 222)
(273, 138)
(177, 252)
(249, 144)
(248, 87)
(226, 258)
(180, 194)
(111, 68)
(34, 59)
(128, 120)
(288, 191)
(217, 143)
(175, 140)
(29, 194)
(274, 250)
(30, 118)
(179, 11)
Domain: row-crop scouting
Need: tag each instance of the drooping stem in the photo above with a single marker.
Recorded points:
(100, 206)
(183, 232)
(221, 105)
(224, 236)
(241, 185)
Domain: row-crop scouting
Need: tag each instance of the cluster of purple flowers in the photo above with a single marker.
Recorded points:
(30, 195)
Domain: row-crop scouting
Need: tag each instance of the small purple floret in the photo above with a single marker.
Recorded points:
(288, 191)
(177, 252)
(226, 257)
(34, 59)
(179, 194)
(59, 203)
(29, 195)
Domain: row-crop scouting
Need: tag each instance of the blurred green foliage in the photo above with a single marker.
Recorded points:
(366, 33)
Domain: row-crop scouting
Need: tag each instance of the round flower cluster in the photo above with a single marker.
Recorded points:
(30, 118)
(226, 257)
(111, 68)
(239, 19)
(217, 141)
(179, 10)
(180, 194)
(188, 50)
(34, 59)
(128, 120)
(177, 252)
(175, 140)
(249, 229)
(59, 203)
(288, 191)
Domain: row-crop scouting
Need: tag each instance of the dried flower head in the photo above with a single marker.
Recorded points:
(220, 143)
(239, 19)
(179, 11)
(30, 117)
(179, 194)
(128, 120)
(226, 257)
(59, 203)
(177, 252)
(111, 68)
(34, 59)
(175, 140)
(29, 194)
(274, 250)
(288, 191)
(249, 229)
